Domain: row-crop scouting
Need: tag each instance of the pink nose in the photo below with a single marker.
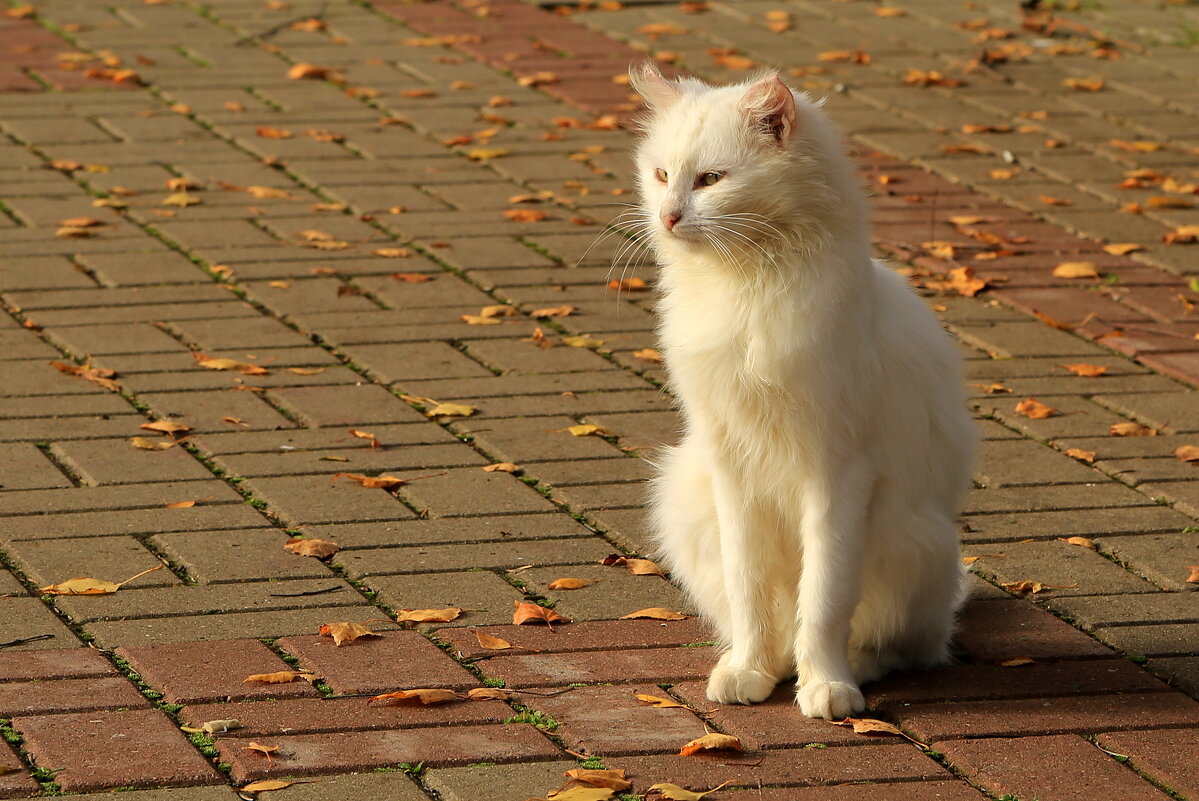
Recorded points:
(671, 218)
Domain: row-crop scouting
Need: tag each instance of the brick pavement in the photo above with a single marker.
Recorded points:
(330, 233)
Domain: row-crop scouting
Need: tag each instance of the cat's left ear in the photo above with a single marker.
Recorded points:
(770, 105)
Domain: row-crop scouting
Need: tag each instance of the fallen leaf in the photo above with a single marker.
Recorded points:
(310, 71)
(969, 560)
(889, 11)
(1082, 542)
(305, 371)
(166, 427)
(97, 375)
(995, 388)
(374, 441)
(345, 632)
(487, 154)
(582, 342)
(394, 253)
(492, 643)
(382, 482)
(1123, 248)
(273, 784)
(181, 505)
(182, 199)
(586, 431)
(612, 779)
(644, 567)
(525, 215)
(312, 547)
(1076, 269)
(1131, 430)
(278, 677)
(659, 703)
(267, 751)
(915, 77)
(1193, 578)
(629, 285)
(554, 311)
(271, 132)
(1187, 453)
(1085, 370)
(1034, 409)
(654, 613)
(1049, 200)
(872, 726)
(1017, 661)
(675, 793)
(569, 583)
(143, 444)
(649, 355)
(229, 364)
(579, 793)
(1084, 84)
(267, 192)
(91, 586)
(1079, 453)
(450, 410)
(541, 78)
(427, 696)
(1030, 586)
(80, 222)
(487, 694)
(428, 615)
(1182, 235)
(1004, 173)
(526, 612)
(712, 741)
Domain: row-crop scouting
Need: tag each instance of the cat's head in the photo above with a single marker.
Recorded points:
(735, 170)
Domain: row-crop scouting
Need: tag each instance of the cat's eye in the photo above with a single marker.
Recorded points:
(660, 174)
(709, 178)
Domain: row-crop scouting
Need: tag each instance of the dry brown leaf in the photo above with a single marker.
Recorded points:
(1084, 84)
(1004, 173)
(1030, 586)
(586, 431)
(443, 409)
(644, 567)
(526, 612)
(80, 222)
(427, 696)
(1034, 409)
(1076, 269)
(143, 444)
(1079, 453)
(629, 285)
(1131, 430)
(672, 792)
(428, 615)
(1017, 661)
(612, 779)
(229, 364)
(501, 467)
(97, 375)
(278, 677)
(583, 341)
(491, 643)
(649, 355)
(267, 751)
(166, 427)
(487, 694)
(581, 793)
(569, 583)
(1049, 200)
(394, 253)
(554, 311)
(309, 71)
(273, 784)
(1182, 235)
(1123, 248)
(374, 441)
(345, 632)
(267, 193)
(915, 77)
(654, 613)
(271, 132)
(713, 741)
(659, 703)
(1187, 453)
(525, 215)
(872, 726)
(383, 482)
(306, 370)
(541, 78)
(182, 199)
(91, 586)
(181, 505)
(312, 547)
(1085, 370)
(1082, 542)
(1193, 578)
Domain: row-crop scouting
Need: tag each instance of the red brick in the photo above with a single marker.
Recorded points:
(317, 715)
(355, 751)
(906, 791)
(99, 750)
(68, 663)
(1064, 768)
(774, 723)
(211, 671)
(1170, 757)
(15, 783)
(995, 631)
(398, 660)
(598, 635)
(67, 695)
(594, 667)
(785, 767)
(1088, 713)
(609, 720)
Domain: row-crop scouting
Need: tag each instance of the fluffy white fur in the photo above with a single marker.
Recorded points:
(809, 509)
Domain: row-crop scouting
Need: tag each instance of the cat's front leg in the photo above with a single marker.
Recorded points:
(834, 538)
(754, 662)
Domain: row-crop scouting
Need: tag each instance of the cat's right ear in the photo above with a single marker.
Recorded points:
(657, 92)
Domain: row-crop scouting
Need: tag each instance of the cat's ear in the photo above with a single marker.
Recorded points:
(648, 82)
(770, 105)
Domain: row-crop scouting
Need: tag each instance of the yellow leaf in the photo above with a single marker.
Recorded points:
(584, 794)
(273, 784)
(654, 613)
(182, 199)
(91, 586)
(713, 741)
(1075, 269)
(1030, 586)
(587, 431)
(1123, 248)
(451, 410)
(554, 311)
(649, 355)
(1017, 661)
(582, 342)
(143, 444)
(659, 703)
(486, 153)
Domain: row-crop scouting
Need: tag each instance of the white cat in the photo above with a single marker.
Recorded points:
(809, 509)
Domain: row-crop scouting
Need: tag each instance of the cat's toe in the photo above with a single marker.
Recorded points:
(831, 700)
(733, 685)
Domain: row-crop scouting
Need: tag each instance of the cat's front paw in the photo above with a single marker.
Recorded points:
(831, 700)
(730, 684)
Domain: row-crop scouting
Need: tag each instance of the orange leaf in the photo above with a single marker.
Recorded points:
(301, 71)
(229, 364)
(271, 132)
(1193, 578)
(659, 703)
(1131, 430)
(312, 547)
(612, 779)
(1079, 453)
(1017, 661)
(394, 253)
(649, 355)
(426, 696)
(346, 632)
(166, 427)
(526, 612)
(1030, 586)
(181, 505)
(382, 482)
(1187, 453)
(96, 375)
(1085, 370)
(1082, 542)
(654, 613)
(266, 750)
(279, 677)
(501, 467)
(554, 311)
(428, 615)
(1076, 269)
(525, 215)
(713, 741)
(569, 583)
(629, 285)
(872, 726)
(492, 643)
(1049, 200)
(1034, 409)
